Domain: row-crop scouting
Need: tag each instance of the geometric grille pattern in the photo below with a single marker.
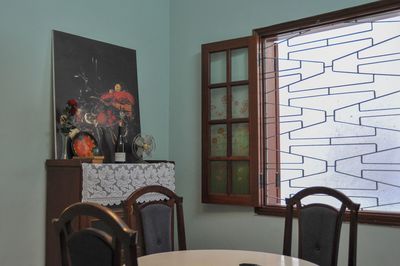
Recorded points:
(339, 112)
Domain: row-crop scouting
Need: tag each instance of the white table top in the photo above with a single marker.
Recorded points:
(219, 258)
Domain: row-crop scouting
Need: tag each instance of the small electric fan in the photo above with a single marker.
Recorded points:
(143, 146)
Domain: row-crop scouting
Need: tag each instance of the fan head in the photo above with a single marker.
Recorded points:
(143, 146)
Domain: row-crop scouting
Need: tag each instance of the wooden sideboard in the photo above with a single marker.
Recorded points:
(64, 187)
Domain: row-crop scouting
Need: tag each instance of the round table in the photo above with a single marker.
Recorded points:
(219, 258)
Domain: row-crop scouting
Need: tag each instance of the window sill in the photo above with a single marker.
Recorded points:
(364, 217)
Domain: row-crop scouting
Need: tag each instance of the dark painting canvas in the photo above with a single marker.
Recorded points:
(95, 88)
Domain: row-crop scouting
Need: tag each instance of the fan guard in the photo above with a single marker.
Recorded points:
(143, 146)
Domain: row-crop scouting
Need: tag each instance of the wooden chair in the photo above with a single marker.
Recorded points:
(320, 226)
(154, 220)
(113, 245)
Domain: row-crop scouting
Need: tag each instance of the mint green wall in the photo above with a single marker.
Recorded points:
(26, 101)
(167, 35)
(194, 22)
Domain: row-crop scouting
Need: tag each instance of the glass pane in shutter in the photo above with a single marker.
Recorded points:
(218, 103)
(240, 139)
(240, 177)
(218, 140)
(239, 61)
(218, 177)
(240, 101)
(217, 67)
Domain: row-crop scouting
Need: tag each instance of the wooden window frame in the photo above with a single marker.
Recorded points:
(255, 197)
(258, 182)
(371, 9)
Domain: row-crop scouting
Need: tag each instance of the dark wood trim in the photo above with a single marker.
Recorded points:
(160, 161)
(78, 162)
(328, 18)
(67, 163)
(253, 198)
(63, 188)
(271, 125)
(364, 217)
(380, 218)
(346, 204)
(205, 74)
(232, 199)
(123, 238)
(220, 46)
(357, 12)
(228, 122)
(258, 78)
(255, 185)
(133, 214)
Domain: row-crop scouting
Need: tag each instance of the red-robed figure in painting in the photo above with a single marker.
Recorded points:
(119, 101)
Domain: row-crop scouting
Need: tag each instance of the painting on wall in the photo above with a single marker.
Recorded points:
(95, 90)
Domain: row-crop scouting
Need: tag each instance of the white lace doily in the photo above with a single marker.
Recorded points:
(110, 184)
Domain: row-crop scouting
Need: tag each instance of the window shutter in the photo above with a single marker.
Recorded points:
(231, 129)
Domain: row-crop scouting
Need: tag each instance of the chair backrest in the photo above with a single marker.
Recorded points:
(320, 226)
(154, 220)
(91, 246)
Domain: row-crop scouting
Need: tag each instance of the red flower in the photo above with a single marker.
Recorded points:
(71, 107)
(67, 117)
(72, 103)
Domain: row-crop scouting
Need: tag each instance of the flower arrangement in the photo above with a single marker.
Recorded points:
(67, 117)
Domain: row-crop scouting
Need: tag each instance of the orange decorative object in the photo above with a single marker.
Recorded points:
(84, 144)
